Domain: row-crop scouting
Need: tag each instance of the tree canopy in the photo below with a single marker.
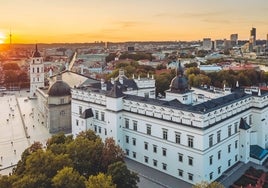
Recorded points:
(11, 66)
(68, 163)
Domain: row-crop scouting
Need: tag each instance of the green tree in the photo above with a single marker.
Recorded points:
(243, 79)
(201, 79)
(32, 181)
(85, 155)
(58, 143)
(11, 76)
(11, 66)
(5, 181)
(163, 81)
(68, 178)
(192, 70)
(188, 65)
(161, 66)
(81, 158)
(89, 134)
(122, 177)
(111, 153)
(23, 77)
(46, 162)
(110, 57)
(20, 168)
(205, 184)
(100, 181)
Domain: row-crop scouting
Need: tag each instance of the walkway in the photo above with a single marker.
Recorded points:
(20, 126)
(151, 178)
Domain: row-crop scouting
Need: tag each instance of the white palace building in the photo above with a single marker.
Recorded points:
(193, 134)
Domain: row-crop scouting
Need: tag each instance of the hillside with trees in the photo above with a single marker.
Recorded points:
(65, 162)
(13, 75)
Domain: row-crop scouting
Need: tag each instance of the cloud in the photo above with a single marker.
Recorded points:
(203, 14)
(127, 24)
(216, 21)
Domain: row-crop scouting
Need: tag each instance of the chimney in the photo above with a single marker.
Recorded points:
(50, 72)
(237, 84)
(259, 92)
(103, 85)
(82, 69)
(121, 75)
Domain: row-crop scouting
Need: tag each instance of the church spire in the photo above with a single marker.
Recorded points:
(36, 53)
(179, 71)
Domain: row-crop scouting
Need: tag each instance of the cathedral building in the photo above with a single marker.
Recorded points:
(192, 134)
(54, 100)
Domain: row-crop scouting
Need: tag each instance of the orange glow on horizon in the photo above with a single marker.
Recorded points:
(2, 38)
(82, 21)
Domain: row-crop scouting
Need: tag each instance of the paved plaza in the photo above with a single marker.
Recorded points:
(20, 126)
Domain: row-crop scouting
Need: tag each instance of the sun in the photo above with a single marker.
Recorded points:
(2, 38)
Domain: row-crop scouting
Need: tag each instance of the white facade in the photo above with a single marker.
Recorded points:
(191, 142)
(37, 75)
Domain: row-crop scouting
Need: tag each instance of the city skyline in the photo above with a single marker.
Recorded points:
(32, 21)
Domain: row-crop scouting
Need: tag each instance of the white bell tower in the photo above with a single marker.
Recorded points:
(37, 75)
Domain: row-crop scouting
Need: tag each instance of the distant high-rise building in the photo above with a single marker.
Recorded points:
(251, 44)
(267, 40)
(253, 35)
(234, 39)
(213, 45)
(219, 44)
(227, 44)
(106, 46)
(207, 44)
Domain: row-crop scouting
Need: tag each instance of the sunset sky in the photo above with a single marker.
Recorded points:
(51, 21)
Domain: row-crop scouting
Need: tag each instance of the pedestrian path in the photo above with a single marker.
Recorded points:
(159, 178)
(20, 126)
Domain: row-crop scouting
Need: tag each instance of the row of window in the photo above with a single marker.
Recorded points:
(36, 79)
(101, 117)
(146, 160)
(190, 159)
(164, 151)
(98, 129)
(181, 174)
(219, 152)
(211, 143)
(164, 133)
(219, 168)
(38, 70)
(230, 132)
(37, 60)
